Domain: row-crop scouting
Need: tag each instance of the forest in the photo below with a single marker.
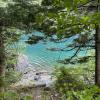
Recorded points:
(49, 49)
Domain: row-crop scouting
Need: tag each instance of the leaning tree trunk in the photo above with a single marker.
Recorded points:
(97, 68)
(2, 62)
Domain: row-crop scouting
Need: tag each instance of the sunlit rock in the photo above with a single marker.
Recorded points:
(23, 64)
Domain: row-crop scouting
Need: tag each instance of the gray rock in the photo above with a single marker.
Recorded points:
(37, 77)
(23, 63)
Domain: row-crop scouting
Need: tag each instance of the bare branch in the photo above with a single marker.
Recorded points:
(75, 53)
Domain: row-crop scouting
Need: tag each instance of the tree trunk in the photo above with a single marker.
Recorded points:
(97, 68)
(97, 51)
(2, 62)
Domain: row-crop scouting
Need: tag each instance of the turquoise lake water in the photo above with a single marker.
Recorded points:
(40, 56)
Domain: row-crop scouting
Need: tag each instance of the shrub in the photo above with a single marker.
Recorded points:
(69, 86)
(12, 76)
(12, 95)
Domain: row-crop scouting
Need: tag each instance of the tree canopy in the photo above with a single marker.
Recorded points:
(67, 18)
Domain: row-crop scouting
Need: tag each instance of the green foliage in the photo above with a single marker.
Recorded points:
(79, 69)
(28, 98)
(17, 17)
(69, 17)
(66, 80)
(12, 95)
(91, 93)
(12, 76)
(43, 97)
(76, 83)
(2, 82)
(9, 95)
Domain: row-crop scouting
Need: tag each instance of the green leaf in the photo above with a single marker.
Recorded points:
(28, 98)
(68, 3)
(97, 98)
(85, 19)
(44, 97)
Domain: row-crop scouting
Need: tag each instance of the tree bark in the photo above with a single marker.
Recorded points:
(2, 62)
(97, 67)
(97, 51)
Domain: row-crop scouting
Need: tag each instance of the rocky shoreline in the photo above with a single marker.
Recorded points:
(31, 76)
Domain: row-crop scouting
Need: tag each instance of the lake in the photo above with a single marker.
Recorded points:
(40, 56)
